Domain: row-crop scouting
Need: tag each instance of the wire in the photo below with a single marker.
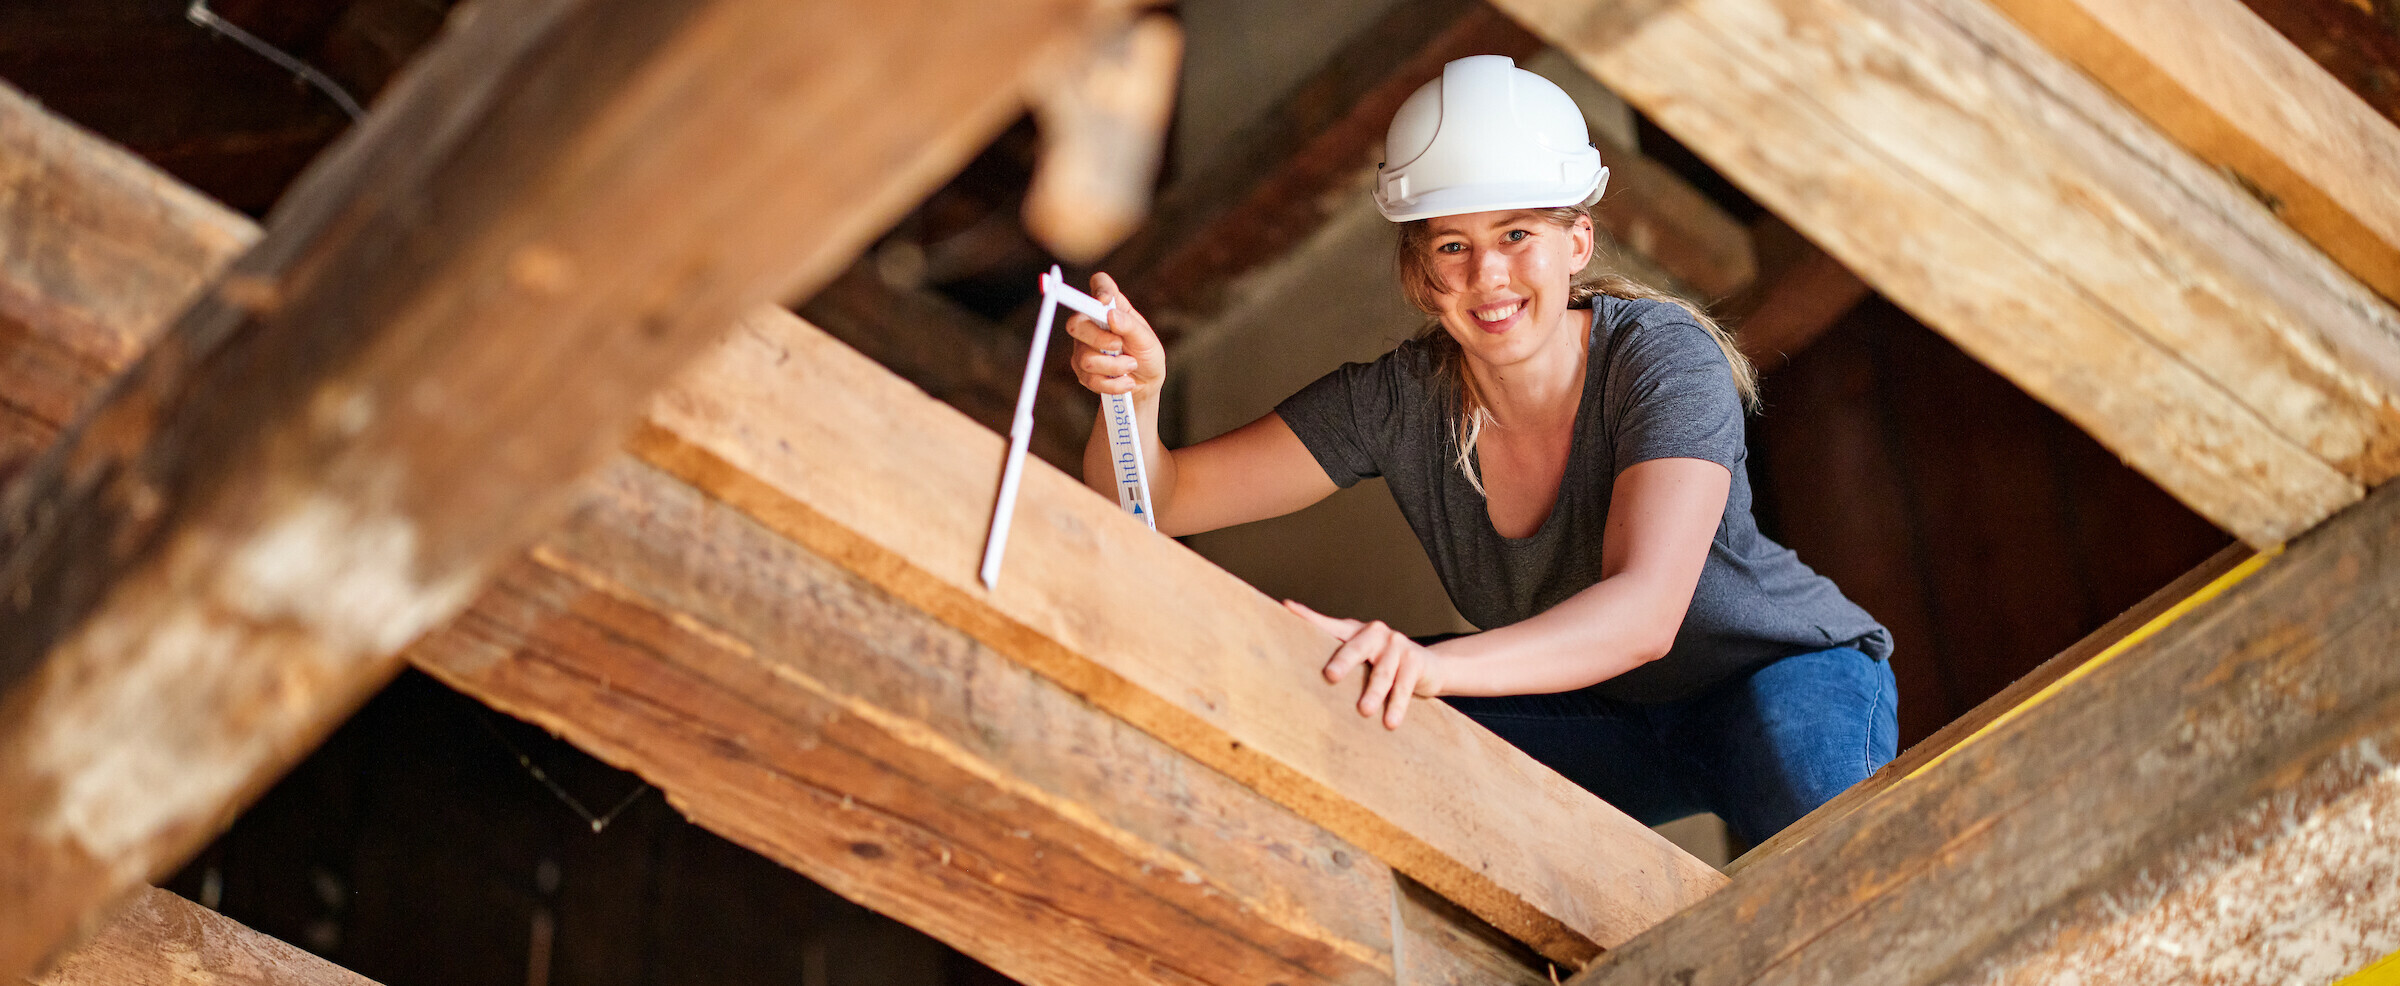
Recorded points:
(597, 822)
(198, 13)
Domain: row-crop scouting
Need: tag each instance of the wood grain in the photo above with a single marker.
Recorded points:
(2203, 807)
(2218, 79)
(889, 484)
(159, 939)
(2013, 205)
(97, 252)
(453, 315)
(793, 707)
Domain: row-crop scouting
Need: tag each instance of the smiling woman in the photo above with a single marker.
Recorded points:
(1570, 453)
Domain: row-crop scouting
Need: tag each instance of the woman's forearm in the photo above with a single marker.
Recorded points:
(1614, 626)
(1099, 465)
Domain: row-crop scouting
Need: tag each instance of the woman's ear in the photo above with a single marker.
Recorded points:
(1584, 241)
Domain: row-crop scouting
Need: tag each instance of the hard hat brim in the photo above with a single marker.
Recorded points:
(1491, 198)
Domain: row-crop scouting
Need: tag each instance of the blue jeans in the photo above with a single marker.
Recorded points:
(1759, 750)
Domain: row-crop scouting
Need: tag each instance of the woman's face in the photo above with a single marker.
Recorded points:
(1505, 278)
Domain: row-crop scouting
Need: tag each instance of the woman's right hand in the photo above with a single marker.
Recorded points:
(1139, 360)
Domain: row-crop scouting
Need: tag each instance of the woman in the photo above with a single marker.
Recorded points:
(1570, 455)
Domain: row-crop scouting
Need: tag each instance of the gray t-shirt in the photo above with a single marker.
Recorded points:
(1657, 387)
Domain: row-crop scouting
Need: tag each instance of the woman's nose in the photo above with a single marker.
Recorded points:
(1491, 269)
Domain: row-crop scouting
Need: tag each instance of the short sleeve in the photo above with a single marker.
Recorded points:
(1347, 418)
(1672, 393)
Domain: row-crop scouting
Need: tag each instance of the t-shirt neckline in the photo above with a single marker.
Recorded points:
(1543, 532)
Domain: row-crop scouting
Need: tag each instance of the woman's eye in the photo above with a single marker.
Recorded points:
(1515, 235)
(1450, 248)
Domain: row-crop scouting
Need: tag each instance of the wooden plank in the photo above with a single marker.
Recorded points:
(2210, 805)
(97, 251)
(2017, 208)
(793, 707)
(858, 467)
(966, 360)
(2007, 703)
(455, 314)
(159, 939)
(1802, 294)
(1652, 211)
(2219, 80)
(2346, 41)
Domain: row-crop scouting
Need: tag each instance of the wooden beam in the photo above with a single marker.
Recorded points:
(2014, 206)
(1652, 211)
(1804, 292)
(2145, 617)
(2219, 80)
(1104, 128)
(159, 939)
(801, 711)
(453, 316)
(860, 468)
(966, 360)
(2211, 804)
(97, 251)
(2346, 41)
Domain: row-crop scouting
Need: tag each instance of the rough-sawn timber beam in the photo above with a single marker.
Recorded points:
(2222, 82)
(453, 315)
(2212, 805)
(160, 939)
(799, 710)
(2013, 205)
(859, 467)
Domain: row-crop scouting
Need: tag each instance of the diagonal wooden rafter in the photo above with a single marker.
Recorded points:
(662, 596)
(795, 708)
(2212, 804)
(160, 939)
(2223, 83)
(862, 469)
(446, 324)
(2003, 198)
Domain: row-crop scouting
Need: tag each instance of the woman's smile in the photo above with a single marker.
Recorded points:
(1498, 316)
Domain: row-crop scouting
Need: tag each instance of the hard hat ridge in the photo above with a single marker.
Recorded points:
(1487, 135)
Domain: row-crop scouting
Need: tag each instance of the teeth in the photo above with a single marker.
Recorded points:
(1501, 315)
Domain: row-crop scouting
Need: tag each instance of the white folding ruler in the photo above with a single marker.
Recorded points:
(1124, 432)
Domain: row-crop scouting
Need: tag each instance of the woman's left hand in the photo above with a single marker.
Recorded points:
(1400, 668)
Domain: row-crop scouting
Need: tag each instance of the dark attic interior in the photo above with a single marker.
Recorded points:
(494, 492)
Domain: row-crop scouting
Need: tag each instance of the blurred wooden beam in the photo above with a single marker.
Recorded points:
(2346, 39)
(2016, 207)
(2211, 804)
(453, 317)
(1801, 294)
(98, 250)
(159, 939)
(2224, 84)
(1104, 127)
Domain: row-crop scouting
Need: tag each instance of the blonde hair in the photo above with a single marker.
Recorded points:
(1423, 288)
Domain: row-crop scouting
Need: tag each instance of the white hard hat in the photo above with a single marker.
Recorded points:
(1487, 135)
